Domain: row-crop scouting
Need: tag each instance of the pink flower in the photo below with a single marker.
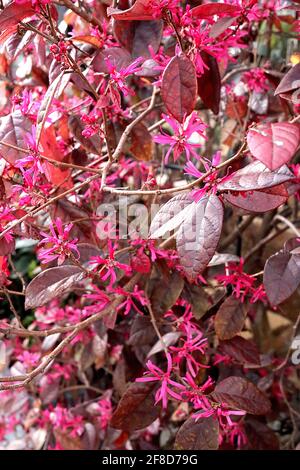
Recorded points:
(61, 247)
(29, 359)
(118, 77)
(62, 418)
(104, 412)
(5, 217)
(242, 283)
(157, 7)
(185, 352)
(180, 141)
(219, 411)
(256, 80)
(129, 303)
(166, 382)
(109, 265)
(99, 298)
(31, 165)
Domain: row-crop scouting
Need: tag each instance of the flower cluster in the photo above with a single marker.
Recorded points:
(59, 243)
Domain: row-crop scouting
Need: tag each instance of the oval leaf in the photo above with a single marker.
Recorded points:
(13, 129)
(198, 236)
(13, 14)
(241, 394)
(137, 36)
(179, 87)
(170, 215)
(290, 82)
(210, 9)
(258, 201)
(136, 408)
(256, 176)
(274, 144)
(230, 318)
(209, 83)
(54, 91)
(240, 349)
(198, 435)
(139, 11)
(51, 283)
(281, 276)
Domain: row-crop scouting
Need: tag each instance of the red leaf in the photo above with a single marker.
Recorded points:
(53, 92)
(260, 437)
(209, 83)
(163, 290)
(256, 176)
(198, 435)
(170, 215)
(13, 129)
(141, 143)
(230, 318)
(241, 394)
(290, 82)
(258, 201)
(137, 36)
(281, 276)
(136, 408)
(274, 144)
(220, 26)
(13, 14)
(198, 236)
(51, 283)
(56, 175)
(179, 87)
(139, 11)
(240, 349)
(210, 9)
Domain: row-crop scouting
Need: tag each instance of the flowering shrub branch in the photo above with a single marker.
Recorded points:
(149, 224)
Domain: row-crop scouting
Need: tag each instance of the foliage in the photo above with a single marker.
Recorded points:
(149, 241)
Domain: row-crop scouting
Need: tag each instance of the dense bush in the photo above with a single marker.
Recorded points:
(149, 214)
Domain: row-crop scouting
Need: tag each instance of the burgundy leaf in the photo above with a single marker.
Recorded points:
(141, 143)
(293, 245)
(281, 276)
(14, 13)
(220, 26)
(13, 129)
(258, 201)
(137, 36)
(163, 290)
(198, 236)
(260, 436)
(148, 69)
(290, 82)
(256, 176)
(210, 9)
(53, 92)
(51, 283)
(167, 340)
(170, 215)
(118, 56)
(198, 435)
(274, 144)
(240, 349)
(209, 83)
(136, 408)
(139, 11)
(230, 318)
(6, 247)
(179, 87)
(239, 393)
